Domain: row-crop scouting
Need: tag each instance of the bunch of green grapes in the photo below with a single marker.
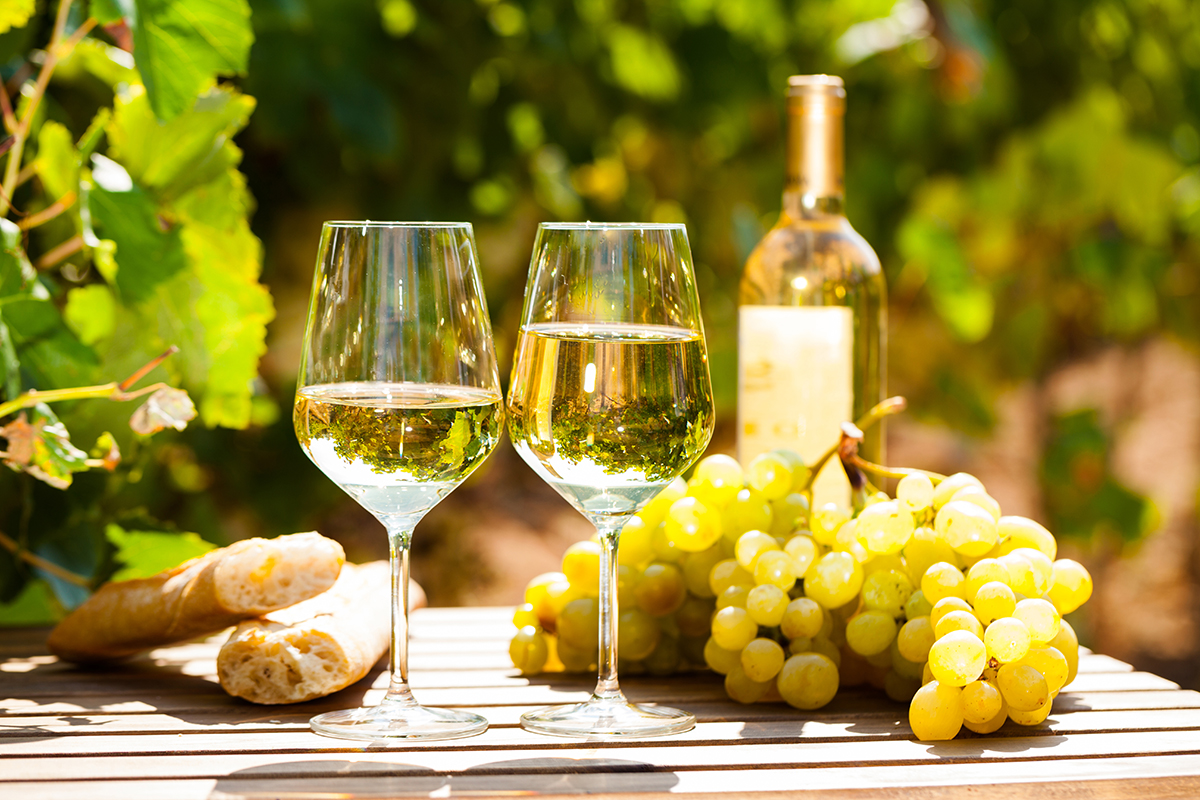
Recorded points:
(931, 596)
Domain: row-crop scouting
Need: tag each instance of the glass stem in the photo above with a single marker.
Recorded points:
(607, 687)
(399, 538)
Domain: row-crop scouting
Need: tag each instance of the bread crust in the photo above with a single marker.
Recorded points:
(199, 597)
(314, 648)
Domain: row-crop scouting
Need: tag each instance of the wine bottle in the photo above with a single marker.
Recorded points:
(812, 305)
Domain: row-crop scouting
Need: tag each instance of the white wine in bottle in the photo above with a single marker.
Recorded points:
(812, 305)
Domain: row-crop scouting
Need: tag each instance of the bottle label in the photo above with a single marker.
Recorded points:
(796, 386)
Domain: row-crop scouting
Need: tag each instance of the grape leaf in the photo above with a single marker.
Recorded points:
(147, 254)
(15, 270)
(50, 353)
(91, 313)
(106, 450)
(110, 64)
(180, 46)
(35, 605)
(146, 553)
(166, 408)
(41, 446)
(184, 152)
(15, 14)
(109, 11)
(57, 161)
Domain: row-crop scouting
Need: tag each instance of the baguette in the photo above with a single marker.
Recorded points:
(316, 647)
(199, 597)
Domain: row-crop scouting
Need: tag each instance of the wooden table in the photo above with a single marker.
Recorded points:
(161, 728)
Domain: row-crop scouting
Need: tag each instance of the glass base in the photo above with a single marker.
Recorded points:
(393, 720)
(609, 718)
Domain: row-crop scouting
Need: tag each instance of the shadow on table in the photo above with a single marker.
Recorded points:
(367, 779)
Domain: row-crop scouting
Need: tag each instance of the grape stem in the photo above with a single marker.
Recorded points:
(112, 391)
(43, 564)
(892, 472)
(886, 408)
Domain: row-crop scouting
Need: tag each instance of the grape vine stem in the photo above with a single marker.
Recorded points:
(885, 408)
(112, 391)
(892, 472)
(43, 564)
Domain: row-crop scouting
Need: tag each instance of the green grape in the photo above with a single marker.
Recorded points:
(1023, 687)
(994, 600)
(694, 617)
(915, 492)
(958, 621)
(870, 632)
(936, 712)
(627, 581)
(524, 615)
(880, 661)
(802, 618)
(1024, 577)
(979, 496)
(876, 497)
(697, 568)
(1040, 617)
(773, 474)
(788, 514)
(1043, 569)
(666, 658)
(634, 546)
(581, 565)
(693, 525)
(892, 562)
(721, 476)
(751, 545)
(728, 573)
(900, 688)
(945, 606)
(579, 623)
(1007, 639)
(691, 649)
(576, 659)
(915, 638)
(668, 625)
(1051, 664)
(528, 650)
(957, 658)
(926, 674)
(826, 521)
(664, 549)
(917, 606)
(985, 570)
(808, 680)
(942, 580)
(1035, 717)
(801, 644)
(762, 659)
(884, 527)
(774, 567)
(1070, 586)
(803, 551)
(1018, 532)
(847, 541)
(766, 604)
(749, 511)
(992, 725)
(740, 687)
(887, 591)
(900, 664)
(720, 660)
(967, 528)
(536, 595)
(661, 589)
(924, 550)
(558, 594)
(734, 596)
(637, 634)
(1068, 644)
(654, 512)
(834, 580)
(827, 648)
(950, 486)
(732, 628)
(981, 701)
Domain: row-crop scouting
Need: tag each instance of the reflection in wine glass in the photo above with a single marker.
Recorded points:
(610, 401)
(397, 402)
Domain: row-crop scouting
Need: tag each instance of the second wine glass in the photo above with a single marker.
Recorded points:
(610, 400)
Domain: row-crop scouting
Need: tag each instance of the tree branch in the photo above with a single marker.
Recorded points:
(43, 564)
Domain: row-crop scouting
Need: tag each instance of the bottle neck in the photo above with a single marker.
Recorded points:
(815, 164)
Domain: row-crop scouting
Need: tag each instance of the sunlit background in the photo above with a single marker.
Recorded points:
(1027, 172)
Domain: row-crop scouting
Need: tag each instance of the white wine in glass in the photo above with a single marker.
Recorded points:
(397, 402)
(610, 401)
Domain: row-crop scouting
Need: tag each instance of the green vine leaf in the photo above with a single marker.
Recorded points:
(15, 14)
(42, 448)
(146, 553)
(57, 160)
(181, 46)
(16, 273)
(91, 313)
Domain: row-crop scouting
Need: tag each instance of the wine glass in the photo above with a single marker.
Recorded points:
(397, 402)
(610, 401)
